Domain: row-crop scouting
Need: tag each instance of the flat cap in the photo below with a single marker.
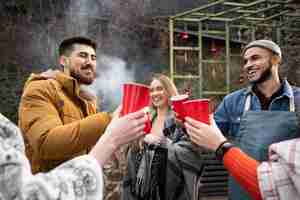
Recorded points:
(266, 44)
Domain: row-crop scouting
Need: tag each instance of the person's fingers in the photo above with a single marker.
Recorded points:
(130, 135)
(194, 137)
(135, 134)
(194, 123)
(189, 129)
(140, 122)
(137, 125)
(139, 128)
(135, 115)
(187, 126)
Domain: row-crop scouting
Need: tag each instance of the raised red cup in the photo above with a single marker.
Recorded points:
(135, 97)
(177, 105)
(197, 109)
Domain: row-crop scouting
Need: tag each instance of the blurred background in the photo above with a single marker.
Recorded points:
(134, 43)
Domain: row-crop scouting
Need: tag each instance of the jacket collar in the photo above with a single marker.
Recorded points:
(287, 89)
(68, 83)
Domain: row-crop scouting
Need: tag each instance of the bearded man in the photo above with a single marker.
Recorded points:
(264, 112)
(57, 115)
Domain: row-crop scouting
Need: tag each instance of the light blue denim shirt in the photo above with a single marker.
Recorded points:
(230, 111)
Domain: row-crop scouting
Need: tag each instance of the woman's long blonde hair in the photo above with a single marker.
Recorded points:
(168, 85)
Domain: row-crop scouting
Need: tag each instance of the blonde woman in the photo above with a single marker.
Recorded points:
(151, 161)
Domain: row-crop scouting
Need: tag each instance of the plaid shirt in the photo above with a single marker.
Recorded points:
(279, 179)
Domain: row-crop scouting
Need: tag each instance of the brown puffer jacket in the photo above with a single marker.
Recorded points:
(56, 121)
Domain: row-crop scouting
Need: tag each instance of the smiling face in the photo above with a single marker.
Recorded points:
(81, 63)
(158, 94)
(258, 65)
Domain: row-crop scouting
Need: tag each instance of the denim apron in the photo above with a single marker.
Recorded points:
(259, 129)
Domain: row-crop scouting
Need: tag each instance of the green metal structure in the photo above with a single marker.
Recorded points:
(225, 20)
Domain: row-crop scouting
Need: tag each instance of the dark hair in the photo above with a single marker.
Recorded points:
(66, 46)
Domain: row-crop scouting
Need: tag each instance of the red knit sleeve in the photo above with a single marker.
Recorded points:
(243, 169)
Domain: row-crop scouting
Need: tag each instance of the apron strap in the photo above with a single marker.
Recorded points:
(248, 103)
(292, 104)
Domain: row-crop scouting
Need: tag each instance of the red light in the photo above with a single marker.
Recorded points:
(184, 35)
(214, 49)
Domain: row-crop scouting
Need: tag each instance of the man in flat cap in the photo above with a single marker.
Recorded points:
(262, 113)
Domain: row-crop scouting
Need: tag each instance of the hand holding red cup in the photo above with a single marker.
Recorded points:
(197, 109)
(135, 97)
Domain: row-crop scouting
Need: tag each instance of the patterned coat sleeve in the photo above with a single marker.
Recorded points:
(280, 177)
(80, 178)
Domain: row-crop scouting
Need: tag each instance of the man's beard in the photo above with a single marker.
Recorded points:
(266, 75)
(82, 79)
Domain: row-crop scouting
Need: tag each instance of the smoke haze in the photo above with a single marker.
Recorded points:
(112, 74)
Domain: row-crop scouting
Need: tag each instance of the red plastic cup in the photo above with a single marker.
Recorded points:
(197, 109)
(177, 105)
(135, 97)
(148, 125)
